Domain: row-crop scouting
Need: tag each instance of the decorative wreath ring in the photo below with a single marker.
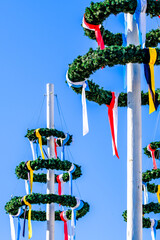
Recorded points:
(150, 207)
(150, 174)
(154, 145)
(98, 12)
(15, 203)
(22, 171)
(45, 133)
(83, 66)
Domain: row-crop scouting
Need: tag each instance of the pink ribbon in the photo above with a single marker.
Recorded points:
(152, 151)
(97, 30)
(111, 121)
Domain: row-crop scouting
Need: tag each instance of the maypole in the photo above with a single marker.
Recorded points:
(111, 51)
(134, 135)
(51, 154)
(21, 207)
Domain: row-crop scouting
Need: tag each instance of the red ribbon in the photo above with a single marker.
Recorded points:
(152, 151)
(55, 147)
(59, 186)
(97, 33)
(111, 121)
(65, 226)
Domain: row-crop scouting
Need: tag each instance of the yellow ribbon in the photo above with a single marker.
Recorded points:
(153, 57)
(38, 135)
(29, 217)
(31, 173)
(158, 193)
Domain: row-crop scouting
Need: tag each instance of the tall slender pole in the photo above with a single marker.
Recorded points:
(134, 145)
(51, 154)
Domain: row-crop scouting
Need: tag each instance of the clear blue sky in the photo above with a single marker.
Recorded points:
(38, 41)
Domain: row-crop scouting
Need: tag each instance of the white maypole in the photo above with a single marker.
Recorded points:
(134, 145)
(51, 154)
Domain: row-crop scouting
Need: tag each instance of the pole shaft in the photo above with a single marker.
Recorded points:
(51, 154)
(134, 142)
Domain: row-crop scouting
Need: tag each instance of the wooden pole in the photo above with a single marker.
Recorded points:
(134, 145)
(51, 154)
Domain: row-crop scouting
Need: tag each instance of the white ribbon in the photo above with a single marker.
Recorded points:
(115, 119)
(84, 106)
(145, 193)
(153, 228)
(32, 148)
(26, 187)
(13, 235)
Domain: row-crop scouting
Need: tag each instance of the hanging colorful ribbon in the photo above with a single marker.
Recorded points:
(85, 87)
(158, 193)
(65, 220)
(60, 184)
(151, 56)
(29, 217)
(78, 206)
(20, 211)
(55, 147)
(13, 235)
(113, 120)
(70, 171)
(153, 228)
(97, 30)
(140, 15)
(38, 135)
(145, 193)
(32, 149)
(30, 175)
(152, 152)
(63, 142)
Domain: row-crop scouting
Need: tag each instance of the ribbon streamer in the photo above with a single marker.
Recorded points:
(55, 147)
(64, 219)
(113, 120)
(158, 193)
(20, 211)
(29, 217)
(140, 15)
(30, 175)
(145, 193)
(78, 206)
(38, 135)
(32, 148)
(152, 152)
(84, 85)
(97, 30)
(60, 184)
(12, 227)
(153, 228)
(63, 142)
(151, 56)
(71, 170)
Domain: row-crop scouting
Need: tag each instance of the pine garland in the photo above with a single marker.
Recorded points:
(154, 145)
(45, 133)
(15, 203)
(22, 172)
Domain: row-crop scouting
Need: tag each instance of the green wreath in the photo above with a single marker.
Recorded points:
(15, 203)
(45, 133)
(83, 66)
(22, 171)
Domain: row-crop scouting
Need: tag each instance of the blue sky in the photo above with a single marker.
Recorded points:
(38, 41)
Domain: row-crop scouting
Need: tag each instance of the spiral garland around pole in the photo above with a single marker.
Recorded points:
(12, 207)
